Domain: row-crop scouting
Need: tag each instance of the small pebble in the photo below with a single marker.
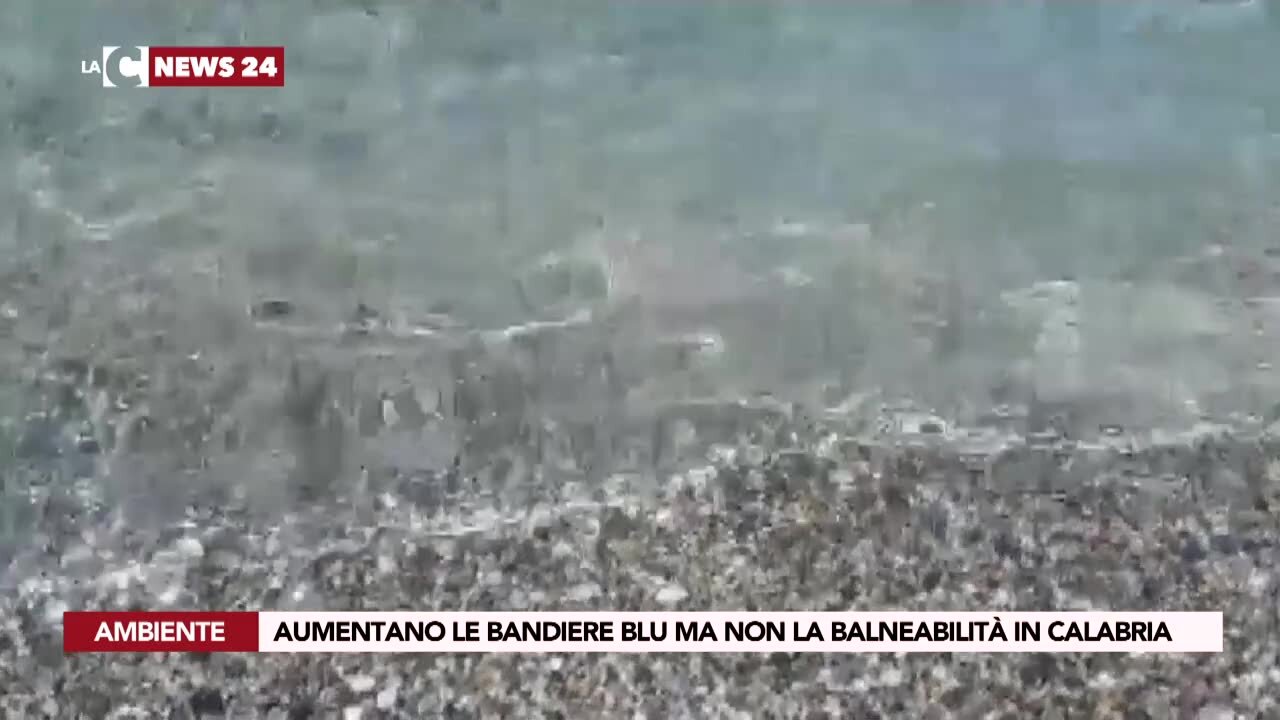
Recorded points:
(207, 701)
(1214, 711)
(361, 684)
(387, 697)
(671, 594)
(189, 548)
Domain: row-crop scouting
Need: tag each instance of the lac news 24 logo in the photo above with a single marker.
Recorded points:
(155, 66)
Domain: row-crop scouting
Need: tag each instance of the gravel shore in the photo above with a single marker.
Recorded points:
(799, 515)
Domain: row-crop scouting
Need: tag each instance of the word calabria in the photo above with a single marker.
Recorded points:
(619, 632)
(153, 66)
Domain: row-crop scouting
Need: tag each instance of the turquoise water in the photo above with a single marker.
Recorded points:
(903, 159)
(1083, 138)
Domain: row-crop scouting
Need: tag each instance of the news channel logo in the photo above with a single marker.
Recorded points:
(121, 66)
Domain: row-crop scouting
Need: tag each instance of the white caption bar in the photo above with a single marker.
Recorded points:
(691, 632)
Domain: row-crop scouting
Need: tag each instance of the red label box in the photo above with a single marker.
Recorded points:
(204, 632)
(226, 66)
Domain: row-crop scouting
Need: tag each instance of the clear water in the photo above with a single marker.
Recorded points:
(917, 165)
(1084, 138)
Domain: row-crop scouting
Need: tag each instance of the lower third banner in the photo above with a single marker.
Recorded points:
(643, 632)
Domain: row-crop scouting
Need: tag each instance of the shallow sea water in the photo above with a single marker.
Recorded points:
(842, 196)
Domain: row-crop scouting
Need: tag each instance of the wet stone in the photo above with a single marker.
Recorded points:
(302, 709)
(935, 520)
(1225, 544)
(207, 702)
(615, 525)
(1191, 550)
(272, 309)
(1006, 546)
